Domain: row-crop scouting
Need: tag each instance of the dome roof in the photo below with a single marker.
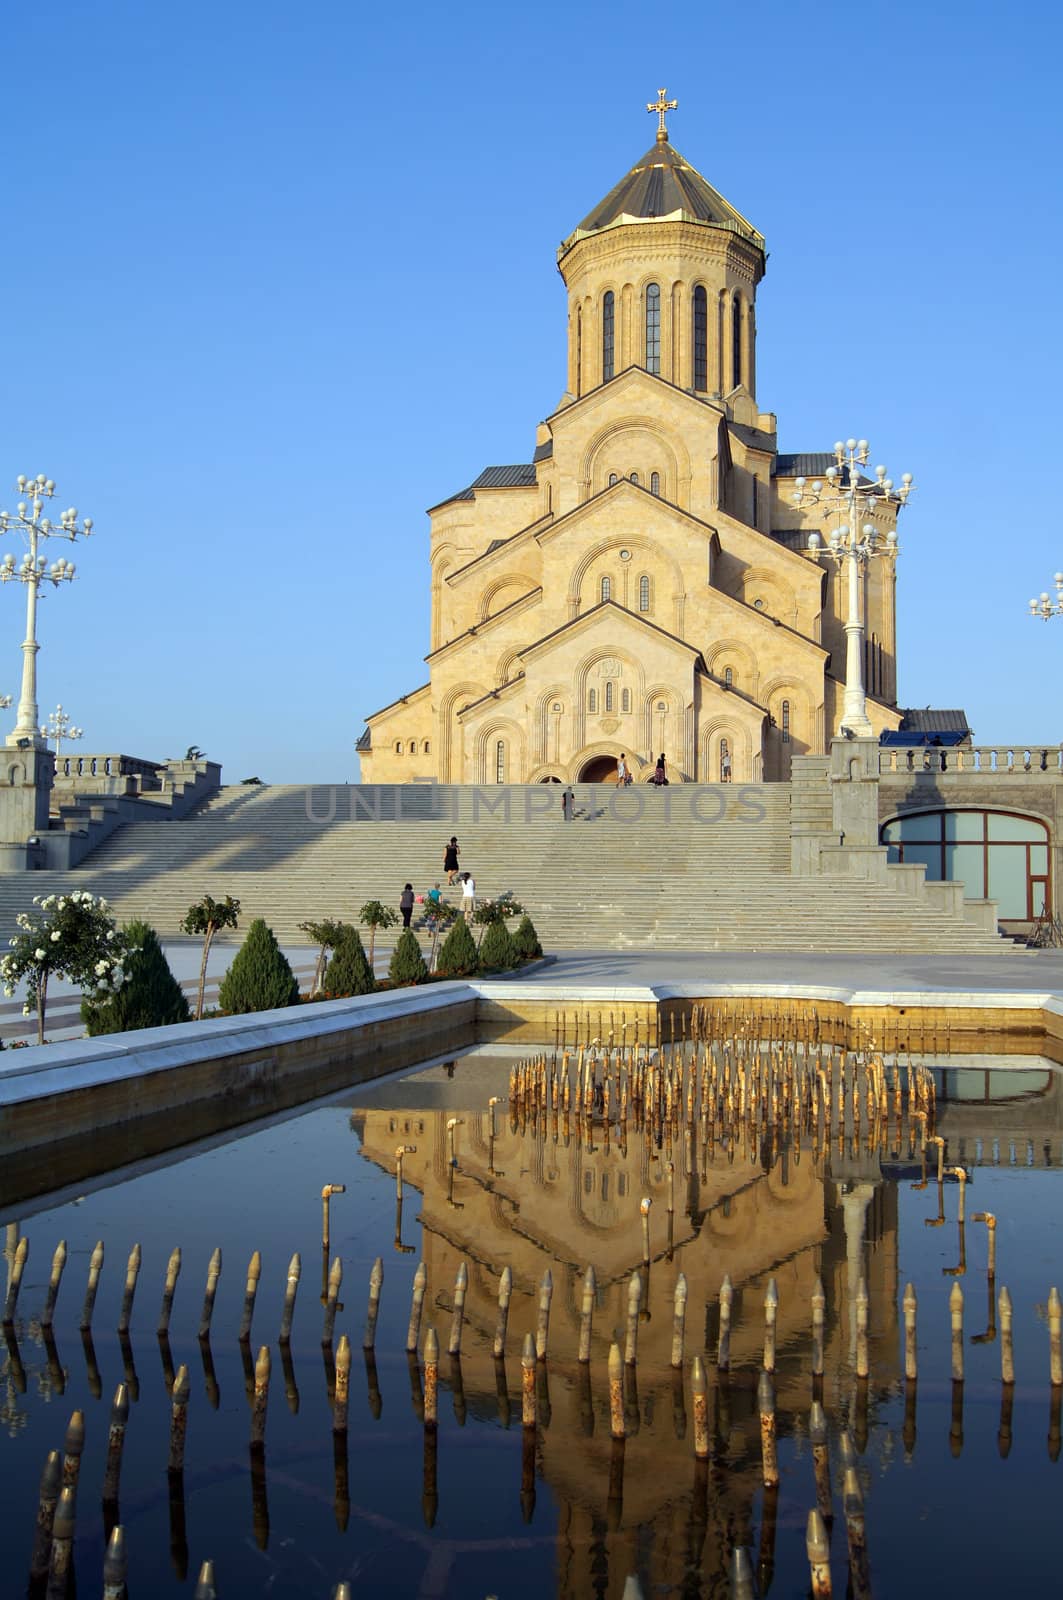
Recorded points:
(663, 186)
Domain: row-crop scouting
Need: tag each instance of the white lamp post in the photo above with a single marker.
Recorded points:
(34, 570)
(1044, 606)
(854, 541)
(60, 727)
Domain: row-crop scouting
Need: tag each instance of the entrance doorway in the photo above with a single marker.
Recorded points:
(601, 770)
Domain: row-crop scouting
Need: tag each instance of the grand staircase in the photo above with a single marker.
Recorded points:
(691, 867)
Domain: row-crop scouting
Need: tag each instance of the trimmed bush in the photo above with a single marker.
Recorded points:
(348, 972)
(260, 978)
(458, 957)
(526, 940)
(151, 997)
(407, 963)
(497, 950)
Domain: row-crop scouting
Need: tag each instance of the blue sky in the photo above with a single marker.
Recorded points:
(279, 277)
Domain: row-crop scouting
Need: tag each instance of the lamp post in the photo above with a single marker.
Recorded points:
(1044, 606)
(854, 542)
(60, 727)
(34, 570)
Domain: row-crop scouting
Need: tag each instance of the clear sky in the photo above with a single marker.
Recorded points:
(279, 276)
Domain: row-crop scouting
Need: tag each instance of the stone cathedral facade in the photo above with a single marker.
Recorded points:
(642, 583)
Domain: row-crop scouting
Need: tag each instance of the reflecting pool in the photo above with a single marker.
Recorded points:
(770, 1170)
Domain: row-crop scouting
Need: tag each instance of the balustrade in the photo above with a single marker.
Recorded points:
(1003, 760)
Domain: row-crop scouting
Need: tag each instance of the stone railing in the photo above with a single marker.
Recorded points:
(108, 774)
(1004, 760)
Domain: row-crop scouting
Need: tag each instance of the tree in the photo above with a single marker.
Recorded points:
(374, 915)
(325, 934)
(206, 917)
(407, 962)
(526, 940)
(494, 911)
(349, 972)
(458, 956)
(150, 998)
(438, 914)
(260, 978)
(69, 936)
(497, 951)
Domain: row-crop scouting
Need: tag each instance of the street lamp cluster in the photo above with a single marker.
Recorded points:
(58, 728)
(855, 542)
(1044, 606)
(33, 570)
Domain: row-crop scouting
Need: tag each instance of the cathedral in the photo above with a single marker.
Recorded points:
(644, 584)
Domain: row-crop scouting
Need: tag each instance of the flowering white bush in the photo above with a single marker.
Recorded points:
(71, 936)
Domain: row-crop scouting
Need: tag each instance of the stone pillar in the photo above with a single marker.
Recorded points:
(26, 778)
(854, 790)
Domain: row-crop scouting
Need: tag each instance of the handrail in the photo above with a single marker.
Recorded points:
(984, 759)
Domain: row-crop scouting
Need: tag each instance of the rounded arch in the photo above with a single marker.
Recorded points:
(547, 772)
(649, 548)
(487, 737)
(517, 581)
(596, 755)
(734, 653)
(504, 670)
(761, 583)
(677, 465)
(743, 763)
(547, 723)
(450, 742)
(444, 558)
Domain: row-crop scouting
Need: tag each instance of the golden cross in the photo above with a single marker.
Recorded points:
(661, 105)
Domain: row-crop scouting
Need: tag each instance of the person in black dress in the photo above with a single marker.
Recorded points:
(451, 853)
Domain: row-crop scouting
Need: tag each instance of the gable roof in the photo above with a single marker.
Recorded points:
(519, 476)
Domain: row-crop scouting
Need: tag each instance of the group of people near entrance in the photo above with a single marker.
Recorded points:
(623, 772)
(451, 852)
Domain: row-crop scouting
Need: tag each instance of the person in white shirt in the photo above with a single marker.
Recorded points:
(468, 895)
(621, 771)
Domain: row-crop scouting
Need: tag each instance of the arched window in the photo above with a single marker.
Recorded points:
(655, 483)
(579, 351)
(612, 479)
(592, 701)
(625, 699)
(653, 327)
(426, 748)
(701, 339)
(398, 747)
(500, 761)
(725, 762)
(786, 722)
(644, 593)
(608, 336)
(736, 342)
(996, 855)
(607, 588)
(729, 677)
(608, 694)
(413, 747)
(634, 477)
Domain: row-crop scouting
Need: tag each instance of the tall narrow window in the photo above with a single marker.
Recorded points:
(612, 479)
(608, 694)
(608, 336)
(644, 593)
(579, 353)
(729, 677)
(592, 701)
(500, 761)
(756, 498)
(634, 477)
(736, 343)
(786, 722)
(607, 588)
(625, 699)
(655, 483)
(653, 328)
(701, 339)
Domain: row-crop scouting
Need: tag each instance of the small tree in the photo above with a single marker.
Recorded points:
(492, 911)
(69, 936)
(325, 934)
(260, 978)
(407, 962)
(349, 972)
(458, 956)
(374, 915)
(438, 914)
(206, 917)
(497, 951)
(150, 998)
(526, 940)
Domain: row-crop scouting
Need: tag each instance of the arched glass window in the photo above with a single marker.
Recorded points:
(592, 700)
(413, 747)
(655, 483)
(398, 747)
(996, 855)
(607, 588)
(625, 699)
(612, 479)
(634, 477)
(426, 748)
(500, 761)
(644, 593)
(736, 342)
(608, 694)
(729, 677)
(786, 722)
(579, 352)
(653, 327)
(608, 336)
(701, 339)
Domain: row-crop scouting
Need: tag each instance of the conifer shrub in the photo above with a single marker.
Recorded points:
(497, 950)
(151, 996)
(526, 940)
(457, 956)
(260, 978)
(407, 964)
(348, 972)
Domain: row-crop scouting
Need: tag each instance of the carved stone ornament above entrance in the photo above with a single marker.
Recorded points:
(609, 667)
(609, 724)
